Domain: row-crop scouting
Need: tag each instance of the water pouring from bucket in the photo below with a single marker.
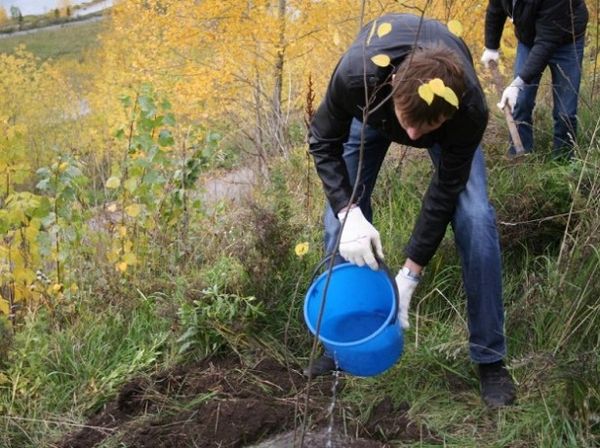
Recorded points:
(359, 326)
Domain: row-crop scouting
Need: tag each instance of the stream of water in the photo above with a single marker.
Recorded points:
(331, 409)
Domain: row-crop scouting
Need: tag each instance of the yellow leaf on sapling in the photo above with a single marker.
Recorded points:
(425, 93)
(455, 27)
(131, 184)
(114, 254)
(336, 38)
(32, 231)
(4, 306)
(384, 29)
(437, 86)
(23, 275)
(130, 258)
(113, 182)
(450, 96)
(133, 210)
(381, 60)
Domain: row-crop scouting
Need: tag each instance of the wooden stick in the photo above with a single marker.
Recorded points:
(512, 127)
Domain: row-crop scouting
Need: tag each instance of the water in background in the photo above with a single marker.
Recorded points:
(36, 7)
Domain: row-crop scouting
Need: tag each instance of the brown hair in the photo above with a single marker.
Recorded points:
(419, 67)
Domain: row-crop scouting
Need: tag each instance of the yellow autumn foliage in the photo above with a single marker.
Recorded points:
(34, 99)
(217, 61)
(214, 59)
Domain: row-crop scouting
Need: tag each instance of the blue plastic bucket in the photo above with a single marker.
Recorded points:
(359, 326)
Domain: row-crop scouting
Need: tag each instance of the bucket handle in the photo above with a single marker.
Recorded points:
(382, 266)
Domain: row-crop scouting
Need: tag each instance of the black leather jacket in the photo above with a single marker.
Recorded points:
(542, 25)
(345, 99)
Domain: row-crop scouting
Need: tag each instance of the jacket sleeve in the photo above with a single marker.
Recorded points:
(495, 16)
(552, 24)
(328, 131)
(448, 181)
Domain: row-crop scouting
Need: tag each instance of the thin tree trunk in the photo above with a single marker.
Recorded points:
(279, 124)
(363, 5)
(260, 139)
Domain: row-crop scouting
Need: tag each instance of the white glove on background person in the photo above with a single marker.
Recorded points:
(406, 287)
(511, 93)
(488, 56)
(359, 239)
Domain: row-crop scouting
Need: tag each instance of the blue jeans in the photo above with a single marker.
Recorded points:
(475, 234)
(565, 68)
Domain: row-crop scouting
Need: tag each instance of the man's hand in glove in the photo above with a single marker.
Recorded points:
(489, 56)
(511, 93)
(407, 282)
(359, 239)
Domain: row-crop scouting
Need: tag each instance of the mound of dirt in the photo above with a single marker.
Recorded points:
(223, 403)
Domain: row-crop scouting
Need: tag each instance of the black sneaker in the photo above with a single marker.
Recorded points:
(497, 386)
(321, 366)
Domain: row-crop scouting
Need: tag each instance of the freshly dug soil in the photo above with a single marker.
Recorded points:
(223, 403)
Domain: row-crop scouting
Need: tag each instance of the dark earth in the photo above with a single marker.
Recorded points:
(225, 403)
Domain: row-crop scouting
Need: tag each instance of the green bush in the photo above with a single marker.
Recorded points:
(216, 321)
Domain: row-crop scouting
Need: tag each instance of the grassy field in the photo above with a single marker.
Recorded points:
(69, 42)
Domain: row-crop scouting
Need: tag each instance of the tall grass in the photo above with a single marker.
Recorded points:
(57, 375)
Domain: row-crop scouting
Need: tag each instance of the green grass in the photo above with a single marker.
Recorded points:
(62, 371)
(70, 42)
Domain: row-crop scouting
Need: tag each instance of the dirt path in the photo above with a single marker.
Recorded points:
(230, 186)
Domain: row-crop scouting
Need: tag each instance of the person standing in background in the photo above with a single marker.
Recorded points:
(549, 33)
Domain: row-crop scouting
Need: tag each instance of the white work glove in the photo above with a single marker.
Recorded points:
(488, 56)
(359, 239)
(510, 94)
(406, 287)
